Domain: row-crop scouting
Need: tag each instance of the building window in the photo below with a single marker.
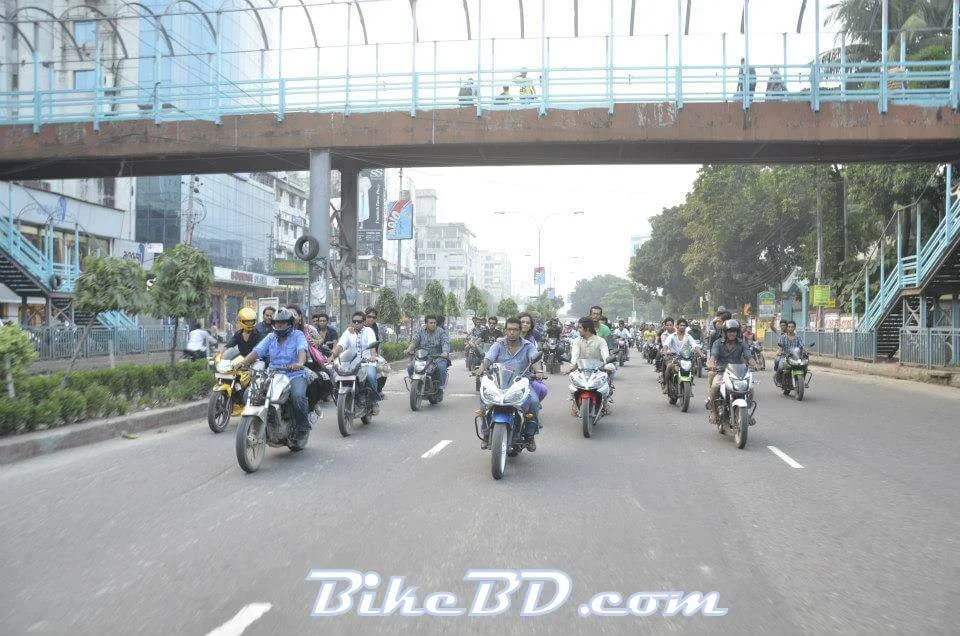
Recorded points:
(85, 31)
(451, 245)
(84, 80)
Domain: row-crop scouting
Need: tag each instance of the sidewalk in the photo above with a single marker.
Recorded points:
(942, 376)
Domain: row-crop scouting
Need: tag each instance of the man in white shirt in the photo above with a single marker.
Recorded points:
(358, 338)
(675, 343)
(622, 332)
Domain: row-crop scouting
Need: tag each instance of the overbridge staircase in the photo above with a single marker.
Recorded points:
(932, 271)
(30, 272)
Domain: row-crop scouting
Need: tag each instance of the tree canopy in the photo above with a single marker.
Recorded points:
(507, 308)
(434, 299)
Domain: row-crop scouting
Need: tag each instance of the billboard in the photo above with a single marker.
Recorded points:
(539, 275)
(371, 192)
(766, 304)
(400, 220)
(289, 266)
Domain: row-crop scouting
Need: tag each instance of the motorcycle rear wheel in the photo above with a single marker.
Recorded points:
(498, 450)
(251, 443)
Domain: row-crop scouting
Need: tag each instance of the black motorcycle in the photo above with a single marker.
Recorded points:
(425, 380)
(553, 355)
(680, 384)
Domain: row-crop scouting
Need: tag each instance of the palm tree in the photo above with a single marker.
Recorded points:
(925, 22)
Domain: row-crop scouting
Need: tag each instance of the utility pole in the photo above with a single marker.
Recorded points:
(819, 272)
(399, 242)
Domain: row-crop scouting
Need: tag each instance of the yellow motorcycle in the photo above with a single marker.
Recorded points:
(226, 398)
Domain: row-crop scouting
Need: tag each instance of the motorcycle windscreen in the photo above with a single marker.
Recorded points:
(739, 371)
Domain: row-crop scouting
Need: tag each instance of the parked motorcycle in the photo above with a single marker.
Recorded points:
(355, 396)
(794, 373)
(226, 397)
(425, 381)
(267, 418)
(735, 405)
(590, 389)
(501, 414)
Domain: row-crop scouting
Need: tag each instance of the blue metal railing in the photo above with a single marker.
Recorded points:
(35, 261)
(54, 343)
(933, 347)
(835, 344)
(925, 83)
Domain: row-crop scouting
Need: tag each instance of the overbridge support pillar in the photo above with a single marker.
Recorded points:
(349, 177)
(317, 291)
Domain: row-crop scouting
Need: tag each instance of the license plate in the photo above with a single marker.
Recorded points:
(225, 376)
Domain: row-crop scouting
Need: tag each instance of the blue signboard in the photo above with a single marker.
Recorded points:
(400, 220)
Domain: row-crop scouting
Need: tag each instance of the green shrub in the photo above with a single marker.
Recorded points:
(81, 381)
(46, 414)
(458, 344)
(392, 351)
(97, 399)
(14, 415)
(119, 405)
(73, 405)
(37, 387)
(15, 344)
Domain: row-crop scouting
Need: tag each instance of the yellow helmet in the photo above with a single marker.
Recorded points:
(247, 318)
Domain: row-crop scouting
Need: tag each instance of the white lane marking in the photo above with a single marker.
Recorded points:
(779, 453)
(244, 619)
(436, 449)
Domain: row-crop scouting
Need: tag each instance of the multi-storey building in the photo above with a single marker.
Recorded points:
(495, 276)
(445, 251)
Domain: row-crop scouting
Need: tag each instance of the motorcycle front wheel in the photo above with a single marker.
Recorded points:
(219, 409)
(498, 450)
(416, 394)
(251, 443)
(586, 416)
(763, 362)
(800, 387)
(344, 414)
(685, 400)
(478, 384)
(742, 418)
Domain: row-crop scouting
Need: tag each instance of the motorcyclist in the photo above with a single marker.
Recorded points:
(788, 340)
(286, 348)
(662, 337)
(728, 350)
(516, 354)
(265, 326)
(493, 327)
(622, 332)
(357, 339)
(674, 344)
(435, 340)
(596, 314)
(554, 330)
(328, 335)
(477, 335)
(246, 337)
(198, 341)
(589, 346)
(695, 331)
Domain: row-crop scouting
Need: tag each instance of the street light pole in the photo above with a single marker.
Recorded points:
(539, 225)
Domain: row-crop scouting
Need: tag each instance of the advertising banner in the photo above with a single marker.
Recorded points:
(766, 304)
(371, 197)
(400, 220)
(820, 295)
(539, 275)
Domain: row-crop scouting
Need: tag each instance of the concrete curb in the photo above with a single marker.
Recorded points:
(29, 445)
(897, 371)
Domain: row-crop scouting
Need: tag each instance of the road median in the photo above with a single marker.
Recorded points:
(27, 445)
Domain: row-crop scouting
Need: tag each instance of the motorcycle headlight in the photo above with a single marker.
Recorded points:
(514, 395)
(489, 393)
(224, 366)
(741, 386)
(686, 365)
(795, 362)
(419, 365)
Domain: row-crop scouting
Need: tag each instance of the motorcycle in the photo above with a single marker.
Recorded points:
(698, 357)
(194, 354)
(553, 355)
(354, 393)
(680, 385)
(425, 381)
(501, 415)
(267, 418)
(794, 373)
(590, 389)
(757, 350)
(479, 351)
(650, 350)
(621, 351)
(735, 405)
(226, 396)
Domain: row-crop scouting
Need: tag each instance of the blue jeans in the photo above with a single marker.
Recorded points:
(298, 397)
(777, 362)
(441, 367)
(532, 404)
(371, 371)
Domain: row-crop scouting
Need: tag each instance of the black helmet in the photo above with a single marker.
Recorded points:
(283, 315)
(730, 325)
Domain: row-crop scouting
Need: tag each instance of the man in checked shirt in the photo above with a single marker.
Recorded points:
(435, 340)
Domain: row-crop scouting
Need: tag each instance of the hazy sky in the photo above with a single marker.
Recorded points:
(616, 201)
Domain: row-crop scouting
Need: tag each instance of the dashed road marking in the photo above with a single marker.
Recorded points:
(436, 449)
(244, 619)
(789, 460)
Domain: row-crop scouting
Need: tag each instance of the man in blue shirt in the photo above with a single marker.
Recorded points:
(286, 348)
(516, 354)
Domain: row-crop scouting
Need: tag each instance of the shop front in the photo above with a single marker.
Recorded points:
(233, 289)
